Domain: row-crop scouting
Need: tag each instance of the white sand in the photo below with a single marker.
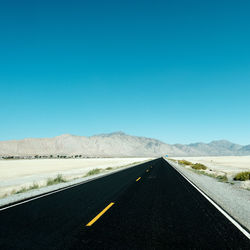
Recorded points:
(15, 174)
(228, 164)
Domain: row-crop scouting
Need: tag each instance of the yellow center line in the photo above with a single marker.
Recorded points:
(138, 179)
(100, 214)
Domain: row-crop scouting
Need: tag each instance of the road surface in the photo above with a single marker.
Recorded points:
(150, 206)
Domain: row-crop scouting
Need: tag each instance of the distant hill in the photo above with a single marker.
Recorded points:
(115, 145)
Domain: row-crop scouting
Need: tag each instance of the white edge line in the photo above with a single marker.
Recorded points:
(213, 203)
(71, 186)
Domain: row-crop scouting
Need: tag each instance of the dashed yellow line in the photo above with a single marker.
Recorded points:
(138, 179)
(100, 214)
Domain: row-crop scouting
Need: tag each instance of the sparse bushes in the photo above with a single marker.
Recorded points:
(93, 172)
(184, 162)
(50, 181)
(8, 157)
(222, 178)
(242, 176)
(58, 179)
(198, 166)
(25, 189)
(22, 190)
(109, 168)
(34, 186)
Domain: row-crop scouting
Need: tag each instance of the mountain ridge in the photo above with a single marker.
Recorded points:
(116, 144)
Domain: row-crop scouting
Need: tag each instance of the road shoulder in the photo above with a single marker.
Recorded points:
(233, 200)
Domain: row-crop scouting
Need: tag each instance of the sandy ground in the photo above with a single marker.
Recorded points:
(229, 165)
(15, 174)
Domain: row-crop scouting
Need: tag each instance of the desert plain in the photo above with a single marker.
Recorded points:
(15, 174)
(228, 164)
(225, 165)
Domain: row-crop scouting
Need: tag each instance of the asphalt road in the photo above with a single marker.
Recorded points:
(150, 206)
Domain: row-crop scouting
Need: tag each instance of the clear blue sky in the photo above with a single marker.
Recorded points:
(174, 70)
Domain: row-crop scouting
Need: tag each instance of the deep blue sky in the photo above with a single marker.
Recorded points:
(175, 70)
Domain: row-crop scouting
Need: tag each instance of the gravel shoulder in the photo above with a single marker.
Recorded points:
(233, 199)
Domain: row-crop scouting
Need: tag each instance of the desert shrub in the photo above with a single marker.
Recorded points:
(208, 174)
(34, 186)
(184, 162)
(222, 178)
(58, 179)
(93, 171)
(109, 168)
(198, 166)
(22, 190)
(25, 189)
(242, 176)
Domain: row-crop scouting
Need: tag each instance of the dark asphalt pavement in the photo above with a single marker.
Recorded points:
(159, 211)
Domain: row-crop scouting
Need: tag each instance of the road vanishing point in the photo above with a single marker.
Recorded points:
(149, 206)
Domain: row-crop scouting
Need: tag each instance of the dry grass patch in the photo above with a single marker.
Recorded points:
(198, 166)
(57, 180)
(184, 162)
(242, 176)
(109, 168)
(93, 172)
(23, 189)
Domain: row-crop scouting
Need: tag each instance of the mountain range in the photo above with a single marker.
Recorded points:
(116, 144)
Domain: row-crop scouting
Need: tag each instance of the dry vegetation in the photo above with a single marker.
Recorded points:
(242, 176)
(62, 179)
(201, 169)
(223, 176)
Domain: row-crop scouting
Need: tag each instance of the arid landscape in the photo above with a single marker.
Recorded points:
(227, 166)
(18, 174)
(117, 144)
(124, 125)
